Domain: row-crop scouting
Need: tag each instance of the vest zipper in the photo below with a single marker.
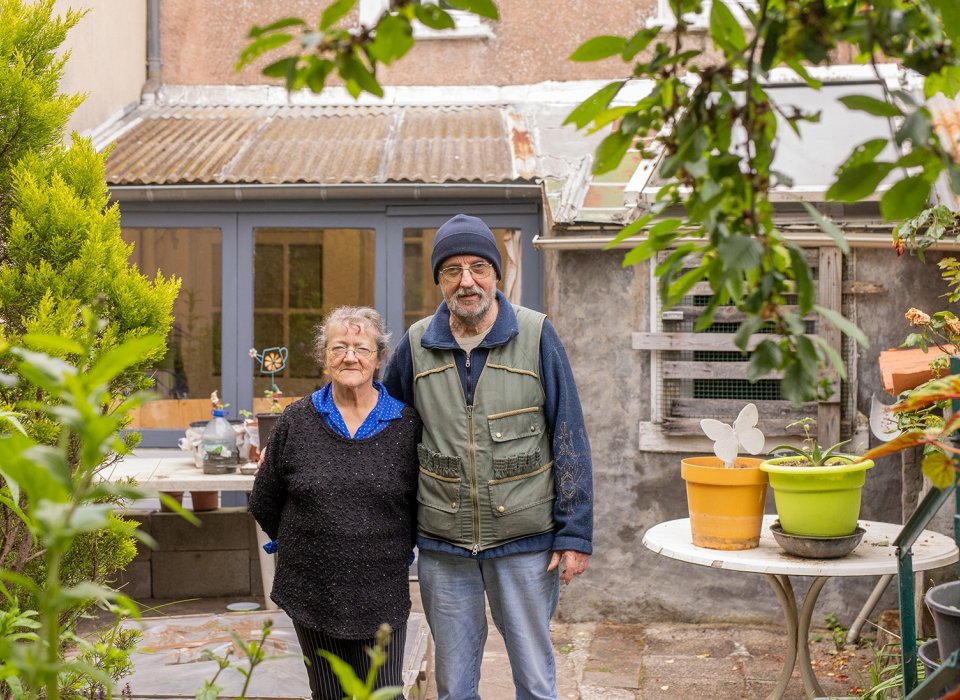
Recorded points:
(469, 378)
(474, 488)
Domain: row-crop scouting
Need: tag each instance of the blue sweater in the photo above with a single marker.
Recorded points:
(573, 470)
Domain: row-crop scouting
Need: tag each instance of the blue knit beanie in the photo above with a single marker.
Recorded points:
(464, 235)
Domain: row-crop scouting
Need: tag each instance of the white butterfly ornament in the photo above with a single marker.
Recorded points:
(727, 439)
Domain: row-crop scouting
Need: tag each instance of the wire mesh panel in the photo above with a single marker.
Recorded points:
(706, 377)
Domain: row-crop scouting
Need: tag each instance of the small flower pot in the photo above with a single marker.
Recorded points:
(817, 501)
(265, 423)
(726, 505)
(943, 601)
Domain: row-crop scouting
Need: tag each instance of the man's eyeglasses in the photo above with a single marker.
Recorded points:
(361, 353)
(478, 270)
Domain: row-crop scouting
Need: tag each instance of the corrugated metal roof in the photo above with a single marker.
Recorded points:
(325, 145)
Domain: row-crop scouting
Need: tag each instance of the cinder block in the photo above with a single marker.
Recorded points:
(223, 529)
(200, 574)
(134, 581)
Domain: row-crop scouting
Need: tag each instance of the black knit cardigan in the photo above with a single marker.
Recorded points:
(344, 513)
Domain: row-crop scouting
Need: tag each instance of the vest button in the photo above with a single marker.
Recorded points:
(453, 505)
(501, 509)
(499, 434)
(533, 428)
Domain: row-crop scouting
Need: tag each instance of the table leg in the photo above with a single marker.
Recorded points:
(798, 633)
(803, 638)
(784, 590)
(267, 564)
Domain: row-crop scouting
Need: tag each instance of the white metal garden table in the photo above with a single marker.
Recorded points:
(876, 555)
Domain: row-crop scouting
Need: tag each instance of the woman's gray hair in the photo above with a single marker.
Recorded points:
(362, 318)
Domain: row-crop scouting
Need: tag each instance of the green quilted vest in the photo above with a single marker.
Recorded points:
(486, 471)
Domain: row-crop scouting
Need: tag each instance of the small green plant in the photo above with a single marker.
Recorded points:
(886, 674)
(812, 453)
(837, 631)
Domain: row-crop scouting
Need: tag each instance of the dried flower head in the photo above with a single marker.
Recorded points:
(952, 325)
(917, 317)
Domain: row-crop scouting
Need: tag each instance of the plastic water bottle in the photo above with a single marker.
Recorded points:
(219, 443)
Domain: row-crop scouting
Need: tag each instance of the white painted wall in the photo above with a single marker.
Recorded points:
(107, 58)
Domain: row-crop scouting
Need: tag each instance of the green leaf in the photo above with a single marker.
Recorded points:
(638, 42)
(257, 48)
(282, 68)
(611, 151)
(764, 359)
(725, 30)
(484, 8)
(949, 12)
(587, 110)
(335, 12)
(52, 344)
(433, 16)
(939, 468)
(274, 26)
(598, 48)
(859, 181)
(394, 39)
(871, 105)
(844, 325)
(828, 227)
(352, 687)
(630, 229)
(739, 252)
(946, 81)
(117, 359)
(386, 693)
(905, 199)
(832, 356)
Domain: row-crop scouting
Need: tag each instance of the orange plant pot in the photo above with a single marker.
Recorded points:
(726, 505)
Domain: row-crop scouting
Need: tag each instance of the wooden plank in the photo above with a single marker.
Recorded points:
(691, 426)
(708, 370)
(862, 287)
(693, 341)
(769, 410)
(723, 314)
(830, 296)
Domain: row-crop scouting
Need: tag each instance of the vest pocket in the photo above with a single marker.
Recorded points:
(522, 505)
(438, 499)
(514, 425)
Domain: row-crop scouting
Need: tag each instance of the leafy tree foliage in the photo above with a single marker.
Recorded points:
(60, 251)
(711, 116)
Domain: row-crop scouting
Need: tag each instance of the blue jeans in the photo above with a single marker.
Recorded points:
(523, 596)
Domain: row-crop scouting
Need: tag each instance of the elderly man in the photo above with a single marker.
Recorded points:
(505, 492)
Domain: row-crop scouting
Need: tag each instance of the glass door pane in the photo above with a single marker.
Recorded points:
(300, 275)
(421, 295)
(191, 369)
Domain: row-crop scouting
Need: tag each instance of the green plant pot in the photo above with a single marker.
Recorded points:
(817, 501)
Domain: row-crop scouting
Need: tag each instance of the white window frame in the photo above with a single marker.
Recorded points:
(700, 21)
(467, 24)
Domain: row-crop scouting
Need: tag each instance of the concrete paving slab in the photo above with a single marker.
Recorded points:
(171, 660)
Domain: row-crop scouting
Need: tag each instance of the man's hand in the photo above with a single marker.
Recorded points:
(574, 564)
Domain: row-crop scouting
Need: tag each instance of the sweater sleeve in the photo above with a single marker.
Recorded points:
(573, 464)
(269, 492)
(398, 374)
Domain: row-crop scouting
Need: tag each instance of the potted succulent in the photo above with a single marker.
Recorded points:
(726, 492)
(817, 491)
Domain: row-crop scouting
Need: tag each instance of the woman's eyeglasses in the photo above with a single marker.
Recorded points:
(360, 352)
(478, 270)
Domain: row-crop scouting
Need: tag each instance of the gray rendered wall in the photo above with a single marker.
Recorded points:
(596, 305)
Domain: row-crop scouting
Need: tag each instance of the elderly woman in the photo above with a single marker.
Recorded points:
(337, 490)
